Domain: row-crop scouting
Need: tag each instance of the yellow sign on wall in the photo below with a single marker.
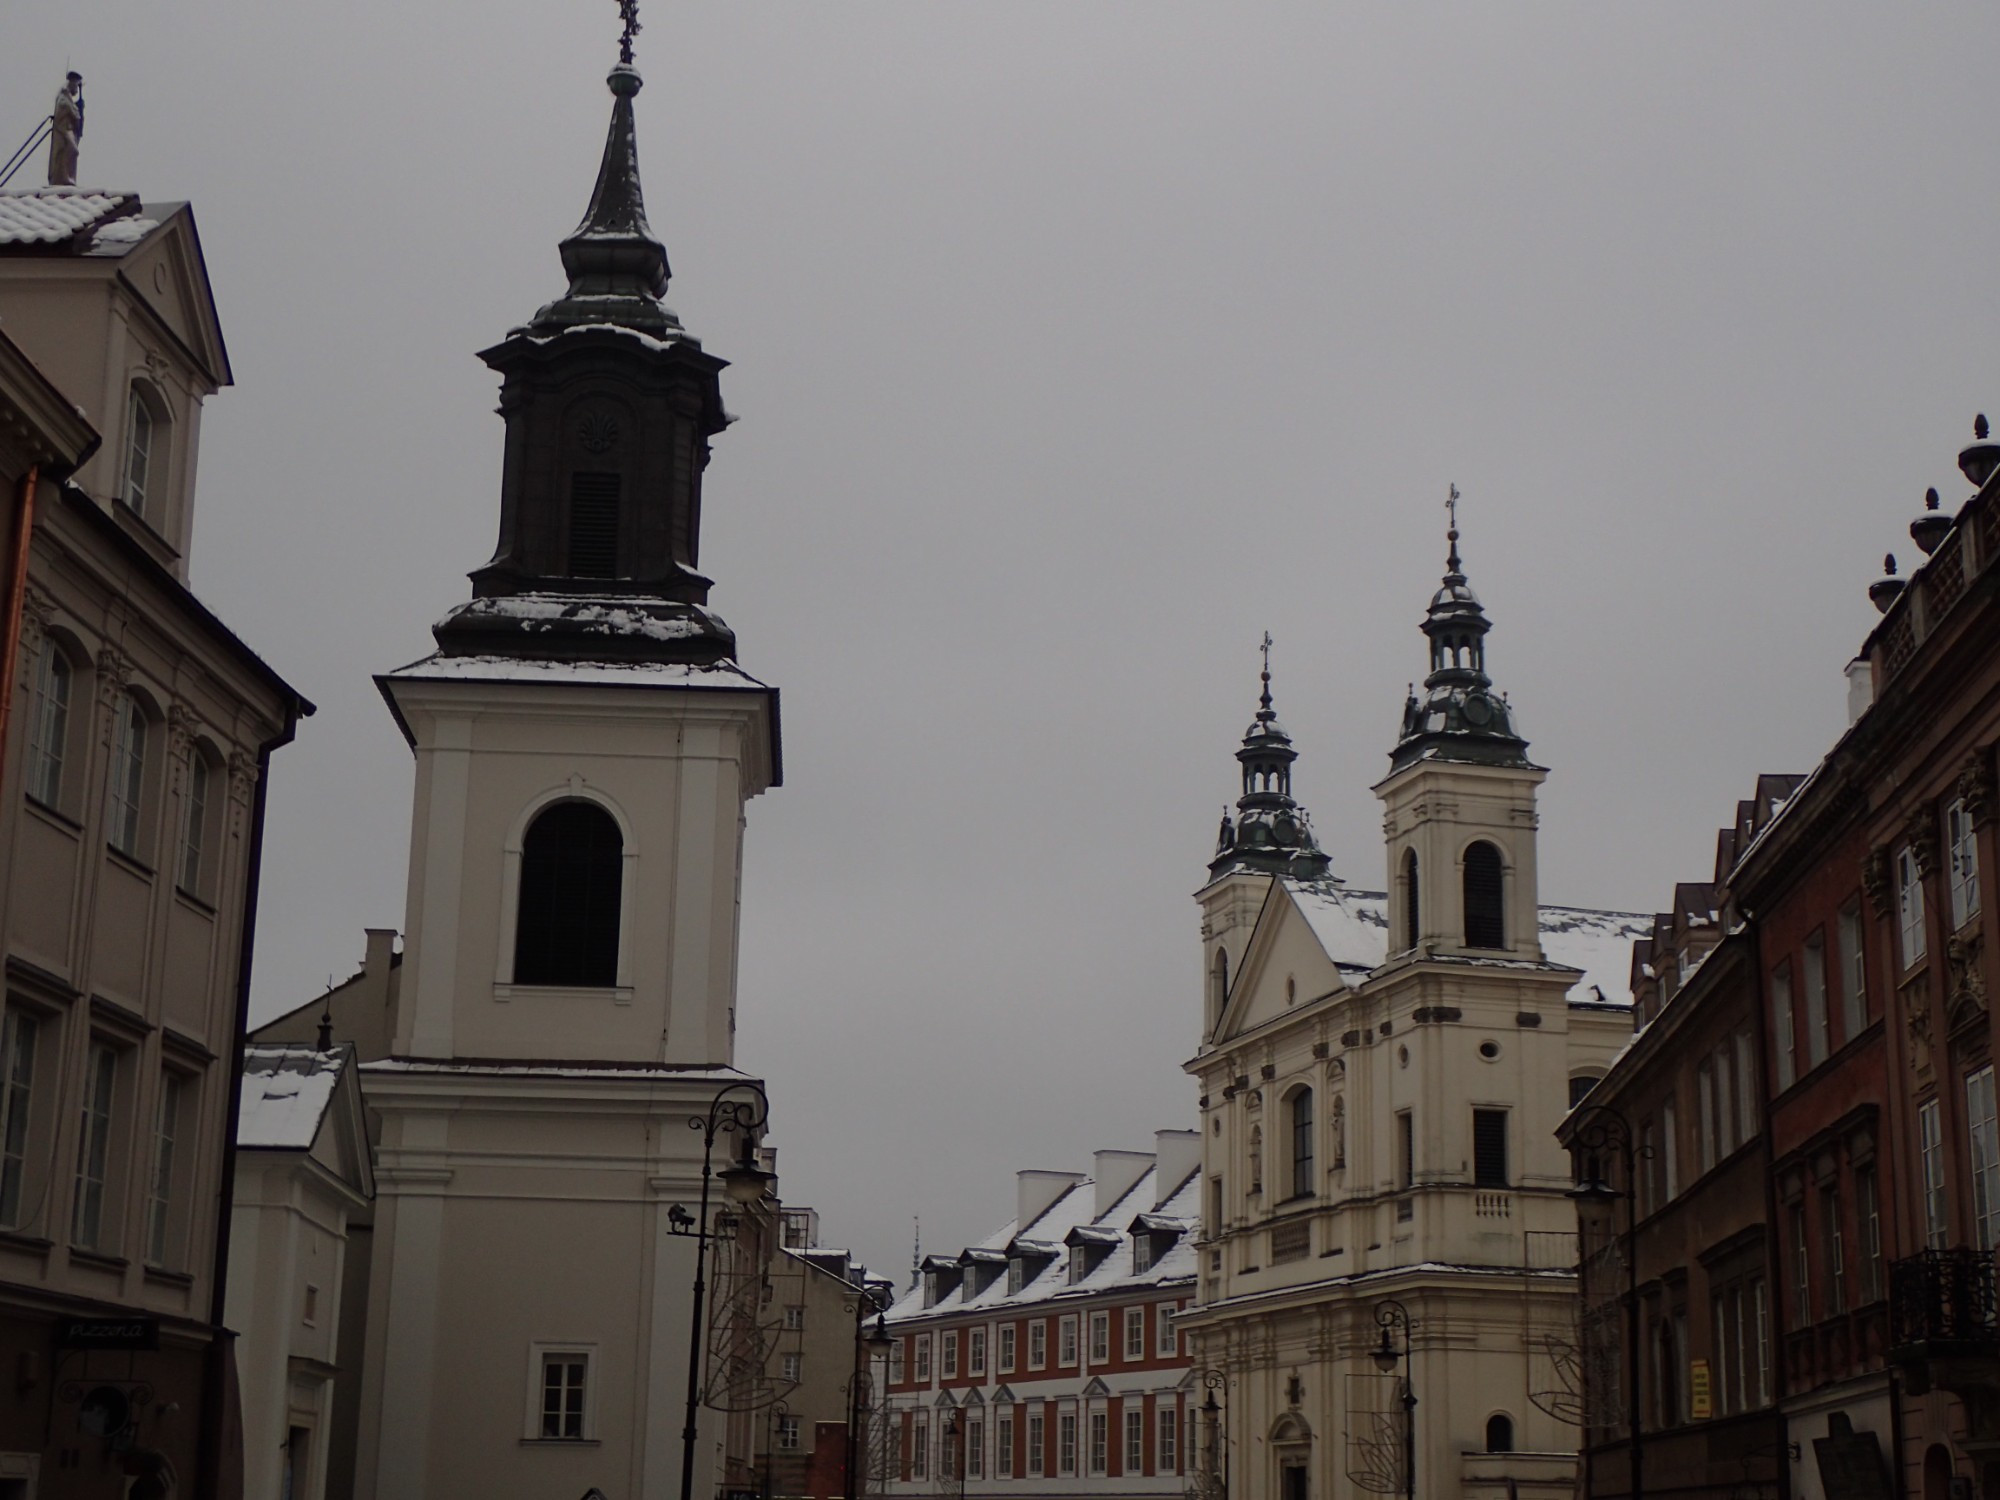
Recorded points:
(1699, 1406)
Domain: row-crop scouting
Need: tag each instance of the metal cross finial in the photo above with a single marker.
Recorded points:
(1451, 507)
(1451, 532)
(1266, 649)
(628, 11)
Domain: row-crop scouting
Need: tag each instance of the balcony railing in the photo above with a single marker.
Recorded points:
(1943, 1302)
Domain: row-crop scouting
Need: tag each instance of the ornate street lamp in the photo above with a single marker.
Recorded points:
(1211, 1479)
(744, 1183)
(869, 1346)
(1601, 1128)
(1392, 1314)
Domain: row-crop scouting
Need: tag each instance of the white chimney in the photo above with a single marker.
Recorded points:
(1178, 1153)
(1860, 688)
(1036, 1192)
(1116, 1173)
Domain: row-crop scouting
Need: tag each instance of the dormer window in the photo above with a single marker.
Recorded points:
(145, 449)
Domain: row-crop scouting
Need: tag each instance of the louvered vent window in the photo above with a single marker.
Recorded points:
(572, 869)
(593, 525)
(1489, 1148)
(1413, 924)
(1484, 924)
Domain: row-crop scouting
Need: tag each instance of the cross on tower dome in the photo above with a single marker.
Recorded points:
(1271, 832)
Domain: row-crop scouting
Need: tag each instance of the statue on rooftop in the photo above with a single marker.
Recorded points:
(65, 130)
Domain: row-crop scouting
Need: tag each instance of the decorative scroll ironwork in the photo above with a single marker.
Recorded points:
(1375, 1447)
(1944, 1297)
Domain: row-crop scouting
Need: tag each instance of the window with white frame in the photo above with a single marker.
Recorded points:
(1135, 1333)
(895, 1362)
(975, 1352)
(1961, 863)
(1066, 1442)
(1670, 1163)
(18, 1037)
(1704, 1115)
(791, 1366)
(1818, 1026)
(1760, 1301)
(1868, 1211)
(950, 1355)
(1646, 1169)
(1728, 1134)
(975, 1447)
(1100, 1442)
(124, 794)
(1909, 905)
(563, 1389)
(1038, 1344)
(1802, 1302)
(1853, 974)
(1746, 1087)
(1038, 1453)
(1003, 1445)
(48, 724)
(93, 1149)
(160, 1190)
(920, 1447)
(1833, 1237)
(1930, 1156)
(1079, 1264)
(143, 440)
(1135, 1440)
(1167, 1421)
(1984, 1136)
(1066, 1341)
(923, 1353)
(194, 825)
(1016, 1275)
(1163, 1330)
(795, 1319)
(788, 1433)
(1100, 1338)
(1006, 1350)
(1784, 1032)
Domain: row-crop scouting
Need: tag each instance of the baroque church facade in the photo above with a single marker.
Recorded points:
(585, 746)
(1386, 1271)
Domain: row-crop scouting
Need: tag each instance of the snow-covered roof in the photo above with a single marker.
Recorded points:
(607, 615)
(55, 215)
(286, 1091)
(1074, 1215)
(649, 674)
(1353, 927)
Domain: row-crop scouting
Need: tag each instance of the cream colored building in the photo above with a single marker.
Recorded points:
(1382, 1076)
(564, 1003)
(303, 1166)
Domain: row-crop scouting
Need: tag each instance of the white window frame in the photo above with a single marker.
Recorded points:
(1165, 1341)
(975, 1351)
(540, 1354)
(1005, 1353)
(99, 1113)
(1983, 1137)
(791, 1365)
(1038, 1344)
(1066, 1342)
(922, 1350)
(189, 862)
(975, 1447)
(920, 1446)
(1038, 1445)
(1100, 1441)
(896, 1361)
(143, 431)
(1853, 972)
(1066, 1442)
(20, 1039)
(948, 1355)
(1961, 862)
(1003, 1445)
(1819, 1026)
(1100, 1338)
(1166, 1433)
(167, 1114)
(48, 725)
(1135, 1332)
(1135, 1440)
(788, 1432)
(1909, 906)
(1785, 1026)
(125, 786)
(1930, 1156)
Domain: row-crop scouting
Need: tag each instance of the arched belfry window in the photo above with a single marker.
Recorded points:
(1218, 985)
(1485, 919)
(1413, 924)
(572, 876)
(1300, 1106)
(1499, 1433)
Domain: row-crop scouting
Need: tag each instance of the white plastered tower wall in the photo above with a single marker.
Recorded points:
(1440, 808)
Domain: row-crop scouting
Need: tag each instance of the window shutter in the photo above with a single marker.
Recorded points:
(593, 525)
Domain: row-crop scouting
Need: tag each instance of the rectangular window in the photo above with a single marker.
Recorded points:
(1163, 1328)
(1015, 1277)
(48, 728)
(1718, 1317)
(1704, 1113)
(949, 1357)
(1168, 1421)
(128, 776)
(1489, 1148)
(93, 1150)
(1909, 905)
(1670, 1162)
(1006, 1349)
(593, 525)
(975, 1352)
(795, 1318)
(138, 451)
(1037, 1450)
(160, 1197)
(564, 1378)
(1100, 1442)
(1100, 1338)
(194, 823)
(975, 1448)
(1728, 1134)
(1802, 1306)
(1003, 1446)
(1783, 1032)
(1142, 1253)
(788, 1434)
(1066, 1341)
(1853, 974)
(923, 1345)
(920, 1447)
(1648, 1154)
(791, 1367)
(18, 1036)
(1833, 1237)
(1135, 1333)
(1868, 1204)
(1961, 863)
(1135, 1441)
(1763, 1316)
(1066, 1443)
(1746, 1087)
(1818, 1026)
(1930, 1154)
(1985, 1142)
(1079, 1264)
(1406, 1150)
(1214, 1208)
(1038, 1344)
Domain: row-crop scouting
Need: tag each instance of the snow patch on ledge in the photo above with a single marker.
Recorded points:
(587, 614)
(642, 674)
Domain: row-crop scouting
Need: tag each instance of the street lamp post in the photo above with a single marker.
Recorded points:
(1601, 1128)
(744, 1183)
(1212, 1479)
(1388, 1315)
(868, 1347)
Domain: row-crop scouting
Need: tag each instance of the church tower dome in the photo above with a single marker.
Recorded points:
(1270, 833)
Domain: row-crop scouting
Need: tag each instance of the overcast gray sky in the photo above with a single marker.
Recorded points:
(1075, 346)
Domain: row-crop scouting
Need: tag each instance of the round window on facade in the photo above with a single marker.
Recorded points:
(1403, 1057)
(1489, 1049)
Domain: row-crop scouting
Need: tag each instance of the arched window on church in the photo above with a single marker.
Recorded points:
(1412, 913)
(572, 874)
(1218, 985)
(1300, 1108)
(1499, 1433)
(1485, 920)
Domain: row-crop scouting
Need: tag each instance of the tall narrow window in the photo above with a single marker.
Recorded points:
(1135, 1333)
(1406, 1150)
(1704, 1114)
(139, 444)
(194, 823)
(1853, 977)
(1962, 857)
(1413, 925)
(1670, 1161)
(1489, 1148)
(1100, 1338)
(160, 1192)
(920, 1447)
(93, 1148)
(1038, 1458)
(1985, 1142)
(1167, 1420)
(1066, 1442)
(1302, 1143)
(1760, 1303)
(1833, 1237)
(1135, 1440)
(18, 1034)
(1485, 924)
(572, 873)
(1746, 1087)
(975, 1447)
(593, 525)
(1930, 1156)
(1868, 1206)
(128, 776)
(1802, 1302)
(1784, 1032)
(1499, 1433)
(48, 726)
(1909, 905)
(1814, 975)
(1003, 1445)
(1218, 985)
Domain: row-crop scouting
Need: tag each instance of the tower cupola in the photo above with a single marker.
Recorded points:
(1458, 716)
(1270, 832)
